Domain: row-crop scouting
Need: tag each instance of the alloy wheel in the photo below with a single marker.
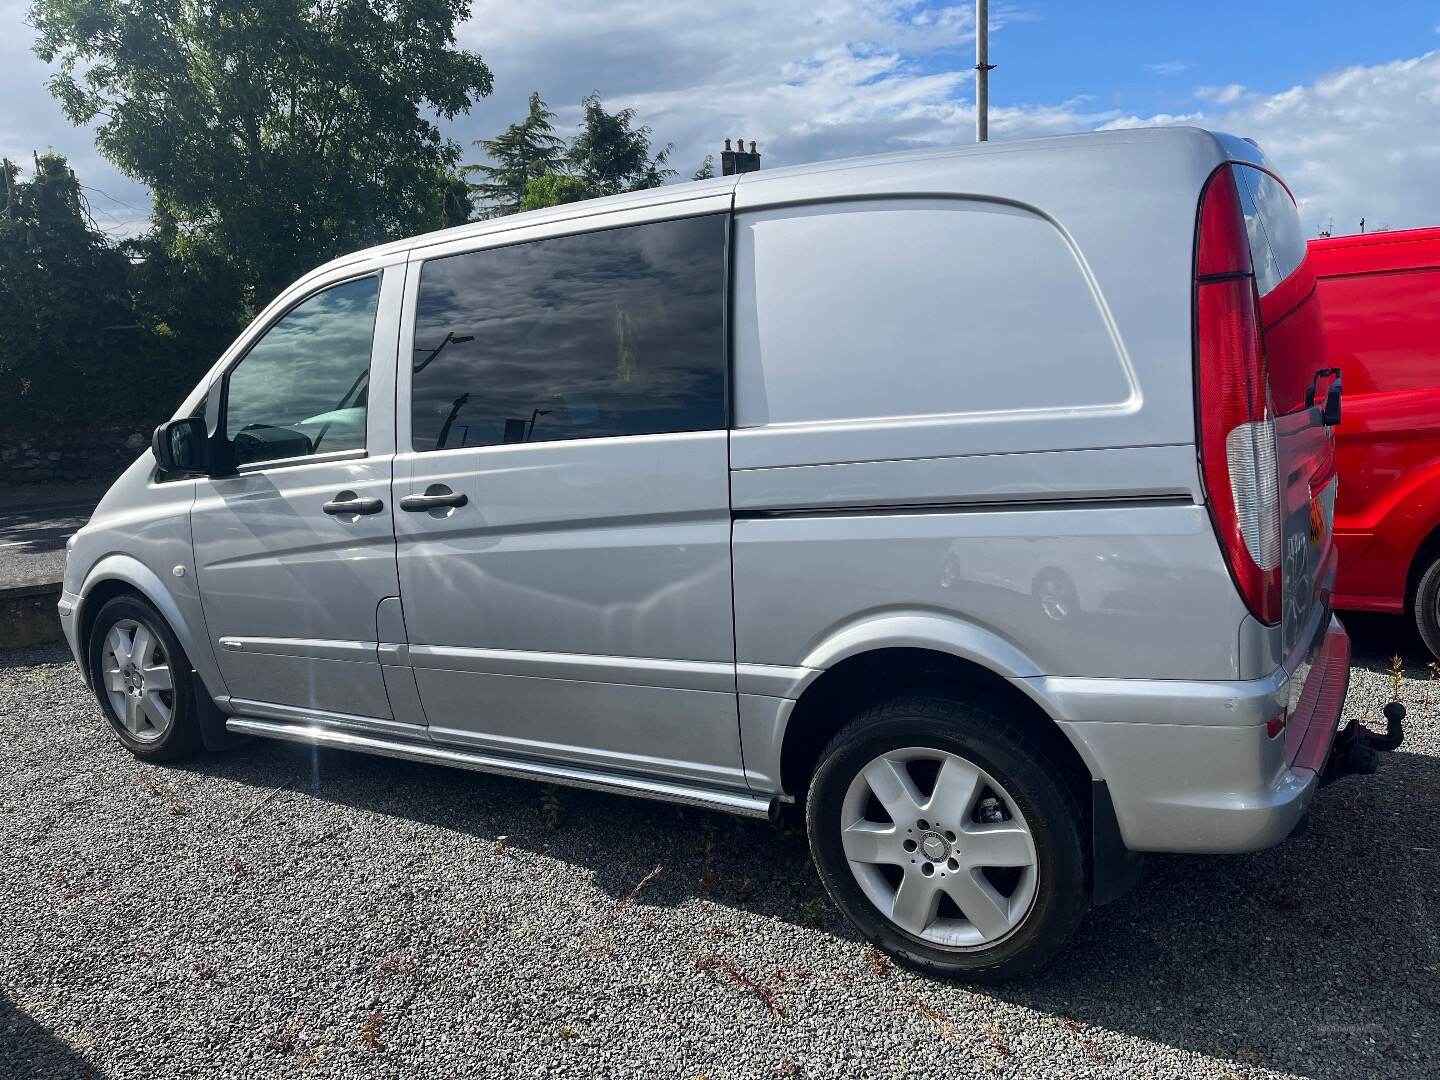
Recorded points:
(939, 847)
(138, 680)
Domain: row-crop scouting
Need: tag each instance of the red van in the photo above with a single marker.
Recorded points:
(1381, 299)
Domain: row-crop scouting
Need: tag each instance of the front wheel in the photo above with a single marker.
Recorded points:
(951, 839)
(142, 678)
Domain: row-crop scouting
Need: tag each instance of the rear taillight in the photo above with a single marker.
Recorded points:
(1235, 415)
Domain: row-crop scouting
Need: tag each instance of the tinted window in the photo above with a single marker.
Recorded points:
(608, 333)
(303, 387)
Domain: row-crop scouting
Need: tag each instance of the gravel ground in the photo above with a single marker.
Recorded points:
(273, 912)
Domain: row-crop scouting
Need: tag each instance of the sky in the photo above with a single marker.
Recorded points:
(1344, 97)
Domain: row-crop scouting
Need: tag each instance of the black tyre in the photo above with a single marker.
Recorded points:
(952, 840)
(142, 678)
(1427, 607)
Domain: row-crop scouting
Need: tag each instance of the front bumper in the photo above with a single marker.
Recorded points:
(69, 608)
(1190, 766)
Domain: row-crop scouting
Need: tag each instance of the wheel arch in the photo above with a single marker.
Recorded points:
(1426, 552)
(119, 575)
(879, 658)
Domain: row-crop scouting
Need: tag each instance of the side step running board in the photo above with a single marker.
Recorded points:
(569, 775)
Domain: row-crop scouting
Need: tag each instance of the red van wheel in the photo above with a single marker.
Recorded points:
(1427, 607)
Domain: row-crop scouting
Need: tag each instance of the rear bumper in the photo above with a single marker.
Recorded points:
(1190, 766)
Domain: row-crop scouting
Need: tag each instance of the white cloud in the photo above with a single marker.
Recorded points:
(1158, 119)
(836, 78)
(1168, 67)
(1360, 142)
(1221, 95)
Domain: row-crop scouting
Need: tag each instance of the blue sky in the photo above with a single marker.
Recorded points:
(1058, 48)
(1345, 97)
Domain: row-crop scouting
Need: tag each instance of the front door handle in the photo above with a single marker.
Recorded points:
(347, 502)
(436, 497)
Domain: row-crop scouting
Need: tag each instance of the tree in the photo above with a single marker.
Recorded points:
(522, 153)
(610, 155)
(553, 189)
(706, 170)
(64, 311)
(277, 133)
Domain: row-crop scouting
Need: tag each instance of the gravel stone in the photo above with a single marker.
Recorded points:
(275, 911)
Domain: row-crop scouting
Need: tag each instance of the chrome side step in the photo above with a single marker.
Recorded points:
(569, 775)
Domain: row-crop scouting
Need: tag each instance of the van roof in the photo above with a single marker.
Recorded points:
(1368, 253)
(677, 193)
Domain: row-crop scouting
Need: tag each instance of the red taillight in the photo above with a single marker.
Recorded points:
(1235, 417)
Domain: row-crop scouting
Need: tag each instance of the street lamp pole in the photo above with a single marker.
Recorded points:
(983, 68)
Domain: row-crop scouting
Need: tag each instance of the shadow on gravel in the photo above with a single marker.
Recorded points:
(1312, 958)
(31, 1052)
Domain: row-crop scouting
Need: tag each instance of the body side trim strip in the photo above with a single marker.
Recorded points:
(596, 780)
(971, 506)
(708, 675)
(305, 648)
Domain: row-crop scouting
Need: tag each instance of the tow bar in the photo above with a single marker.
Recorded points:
(1357, 749)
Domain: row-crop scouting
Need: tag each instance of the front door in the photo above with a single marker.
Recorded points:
(296, 550)
(562, 500)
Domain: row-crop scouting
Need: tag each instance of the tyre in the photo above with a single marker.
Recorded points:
(142, 678)
(950, 839)
(1427, 607)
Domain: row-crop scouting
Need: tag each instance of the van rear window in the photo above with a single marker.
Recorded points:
(1277, 240)
(1289, 304)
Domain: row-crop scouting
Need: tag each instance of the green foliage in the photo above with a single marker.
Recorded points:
(611, 155)
(706, 170)
(553, 189)
(521, 154)
(534, 168)
(277, 133)
(64, 310)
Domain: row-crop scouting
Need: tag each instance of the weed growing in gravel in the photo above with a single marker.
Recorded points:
(765, 992)
(370, 1031)
(1397, 676)
(500, 842)
(551, 804)
(934, 1015)
(707, 881)
(394, 966)
(173, 802)
(879, 962)
(629, 897)
(811, 914)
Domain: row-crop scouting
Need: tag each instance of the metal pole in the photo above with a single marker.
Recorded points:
(982, 70)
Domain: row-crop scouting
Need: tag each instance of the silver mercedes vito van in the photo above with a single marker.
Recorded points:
(977, 501)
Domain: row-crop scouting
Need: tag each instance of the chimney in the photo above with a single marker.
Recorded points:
(738, 160)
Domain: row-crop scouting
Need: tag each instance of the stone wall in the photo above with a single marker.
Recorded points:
(94, 454)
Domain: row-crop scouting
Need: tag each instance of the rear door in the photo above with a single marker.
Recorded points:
(1296, 354)
(562, 499)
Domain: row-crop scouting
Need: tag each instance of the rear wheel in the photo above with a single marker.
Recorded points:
(949, 838)
(1427, 607)
(142, 678)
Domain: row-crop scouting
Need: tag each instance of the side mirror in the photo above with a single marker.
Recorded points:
(182, 445)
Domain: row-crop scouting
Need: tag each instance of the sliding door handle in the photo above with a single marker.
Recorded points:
(436, 497)
(347, 502)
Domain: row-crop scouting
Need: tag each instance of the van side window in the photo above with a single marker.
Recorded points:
(303, 387)
(618, 332)
(913, 307)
